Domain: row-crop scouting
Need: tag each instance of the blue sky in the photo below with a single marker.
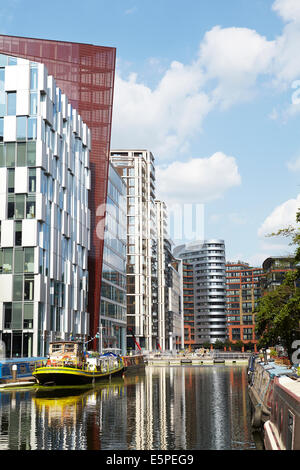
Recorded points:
(207, 85)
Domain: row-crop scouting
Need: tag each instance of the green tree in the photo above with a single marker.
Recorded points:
(278, 314)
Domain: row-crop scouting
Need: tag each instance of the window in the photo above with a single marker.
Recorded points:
(2, 103)
(7, 314)
(33, 104)
(33, 77)
(18, 261)
(32, 180)
(10, 207)
(11, 103)
(7, 260)
(18, 233)
(2, 155)
(19, 206)
(2, 78)
(247, 333)
(28, 315)
(30, 207)
(28, 287)
(18, 287)
(11, 180)
(17, 316)
(21, 127)
(31, 150)
(21, 154)
(29, 260)
(236, 334)
(10, 154)
(32, 129)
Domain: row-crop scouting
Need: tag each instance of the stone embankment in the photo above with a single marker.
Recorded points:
(195, 359)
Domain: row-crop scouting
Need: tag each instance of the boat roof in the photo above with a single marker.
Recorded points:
(276, 370)
(290, 385)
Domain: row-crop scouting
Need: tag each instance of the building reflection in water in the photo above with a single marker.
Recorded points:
(167, 408)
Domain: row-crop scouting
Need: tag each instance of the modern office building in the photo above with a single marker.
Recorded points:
(243, 289)
(275, 269)
(169, 286)
(137, 168)
(113, 286)
(205, 321)
(44, 214)
(188, 305)
(175, 305)
(85, 74)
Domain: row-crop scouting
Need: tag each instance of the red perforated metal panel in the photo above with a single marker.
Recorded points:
(85, 73)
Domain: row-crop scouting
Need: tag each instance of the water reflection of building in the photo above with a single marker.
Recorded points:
(189, 408)
(166, 408)
(79, 421)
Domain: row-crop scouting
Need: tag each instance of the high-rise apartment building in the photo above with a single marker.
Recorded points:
(188, 304)
(44, 214)
(275, 269)
(137, 168)
(169, 286)
(85, 74)
(113, 287)
(243, 289)
(205, 262)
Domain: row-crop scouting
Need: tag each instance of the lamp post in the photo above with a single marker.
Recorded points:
(100, 328)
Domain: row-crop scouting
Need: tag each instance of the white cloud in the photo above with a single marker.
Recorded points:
(198, 180)
(162, 119)
(289, 10)
(236, 57)
(232, 65)
(282, 216)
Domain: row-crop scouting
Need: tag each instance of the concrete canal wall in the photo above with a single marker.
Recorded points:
(198, 361)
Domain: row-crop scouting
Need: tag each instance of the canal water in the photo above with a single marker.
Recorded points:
(161, 408)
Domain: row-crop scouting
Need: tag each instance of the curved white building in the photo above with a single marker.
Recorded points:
(209, 281)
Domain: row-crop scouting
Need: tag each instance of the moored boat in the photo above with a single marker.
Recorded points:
(134, 362)
(260, 385)
(69, 364)
(282, 430)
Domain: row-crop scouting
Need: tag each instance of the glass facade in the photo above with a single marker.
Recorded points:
(113, 285)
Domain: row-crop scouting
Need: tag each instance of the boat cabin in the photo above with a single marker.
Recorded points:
(282, 431)
(67, 351)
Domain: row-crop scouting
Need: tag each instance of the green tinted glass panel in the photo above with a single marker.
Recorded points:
(17, 316)
(19, 206)
(31, 151)
(10, 154)
(2, 155)
(29, 260)
(18, 287)
(21, 154)
(7, 260)
(19, 261)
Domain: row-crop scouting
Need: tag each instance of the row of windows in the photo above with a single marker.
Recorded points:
(18, 315)
(26, 128)
(11, 180)
(16, 260)
(20, 206)
(17, 154)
